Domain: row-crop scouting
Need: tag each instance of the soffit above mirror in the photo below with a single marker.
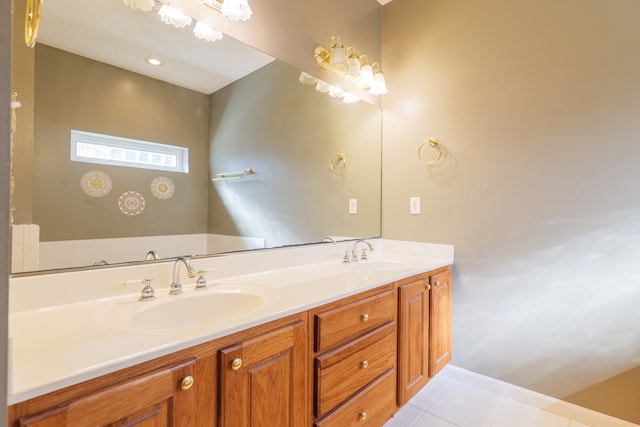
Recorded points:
(118, 35)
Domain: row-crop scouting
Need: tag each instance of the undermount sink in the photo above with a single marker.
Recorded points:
(379, 265)
(187, 311)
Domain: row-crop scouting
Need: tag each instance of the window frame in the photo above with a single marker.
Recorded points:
(78, 136)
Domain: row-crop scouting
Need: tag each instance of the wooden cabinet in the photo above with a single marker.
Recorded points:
(165, 397)
(440, 321)
(413, 333)
(424, 330)
(263, 380)
(355, 359)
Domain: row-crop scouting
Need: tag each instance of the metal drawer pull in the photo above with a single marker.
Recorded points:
(428, 287)
(236, 364)
(187, 382)
(365, 364)
(437, 283)
(363, 415)
(365, 317)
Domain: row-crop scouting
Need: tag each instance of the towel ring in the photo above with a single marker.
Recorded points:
(338, 164)
(32, 22)
(433, 143)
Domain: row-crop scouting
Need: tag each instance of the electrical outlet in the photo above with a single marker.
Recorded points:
(353, 206)
(414, 206)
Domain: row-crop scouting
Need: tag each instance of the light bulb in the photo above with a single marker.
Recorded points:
(236, 10)
(171, 15)
(205, 32)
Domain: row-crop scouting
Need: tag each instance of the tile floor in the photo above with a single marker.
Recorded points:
(460, 398)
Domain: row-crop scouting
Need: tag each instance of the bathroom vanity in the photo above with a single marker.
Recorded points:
(331, 344)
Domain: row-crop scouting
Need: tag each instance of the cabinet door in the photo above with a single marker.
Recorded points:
(440, 322)
(413, 338)
(153, 400)
(263, 381)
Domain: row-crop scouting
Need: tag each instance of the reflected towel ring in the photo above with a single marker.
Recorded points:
(433, 143)
(338, 164)
(32, 22)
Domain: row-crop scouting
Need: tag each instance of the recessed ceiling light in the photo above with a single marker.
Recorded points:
(153, 61)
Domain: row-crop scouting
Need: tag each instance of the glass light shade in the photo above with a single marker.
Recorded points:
(366, 76)
(350, 98)
(171, 15)
(307, 79)
(323, 87)
(353, 69)
(338, 58)
(144, 5)
(236, 10)
(205, 32)
(378, 86)
(336, 92)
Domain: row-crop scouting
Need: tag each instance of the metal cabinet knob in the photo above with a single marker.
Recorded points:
(187, 382)
(363, 415)
(428, 287)
(364, 364)
(236, 364)
(365, 317)
(437, 283)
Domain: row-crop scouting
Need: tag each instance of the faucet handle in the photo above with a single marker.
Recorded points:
(147, 293)
(201, 282)
(346, 259)
(363, 256)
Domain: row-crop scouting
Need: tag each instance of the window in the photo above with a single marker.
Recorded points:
(112, 150)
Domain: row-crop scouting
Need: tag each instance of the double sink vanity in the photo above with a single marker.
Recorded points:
(283, 337)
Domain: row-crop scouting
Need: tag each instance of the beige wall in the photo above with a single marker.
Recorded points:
(288, 133)
(5, 140)
(22, 82)
(538, 105)
(77, 93)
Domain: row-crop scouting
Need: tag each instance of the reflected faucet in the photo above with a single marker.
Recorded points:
(152, 256)
(176, 286)
(329, 239)
(354, 254)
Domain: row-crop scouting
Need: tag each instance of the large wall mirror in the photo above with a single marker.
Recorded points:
(315, 160)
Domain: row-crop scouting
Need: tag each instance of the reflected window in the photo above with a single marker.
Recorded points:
(112, 150)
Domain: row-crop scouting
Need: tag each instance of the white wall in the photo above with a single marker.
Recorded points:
(538, 104)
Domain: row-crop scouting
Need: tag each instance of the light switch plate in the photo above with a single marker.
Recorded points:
(353, 206)
(414, 206)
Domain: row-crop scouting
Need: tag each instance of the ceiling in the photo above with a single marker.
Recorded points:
(109, 31)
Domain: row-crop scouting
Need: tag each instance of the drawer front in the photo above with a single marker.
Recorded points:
(344, 371)
(371, 407)
(337, 326)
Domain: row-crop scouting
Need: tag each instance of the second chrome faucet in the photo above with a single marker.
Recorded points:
(176, 286)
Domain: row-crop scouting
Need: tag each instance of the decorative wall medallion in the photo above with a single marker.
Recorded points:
(96, 183)
(162, 188)
(131, 203)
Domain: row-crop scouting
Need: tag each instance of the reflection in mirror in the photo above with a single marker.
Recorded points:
(257, 115)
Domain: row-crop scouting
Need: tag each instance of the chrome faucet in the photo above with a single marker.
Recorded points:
(354, 254)
(152, 256)
(176, 286)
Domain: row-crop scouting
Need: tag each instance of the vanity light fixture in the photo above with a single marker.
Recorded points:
(236, 10)
(350, 66)
(324, 87)
(144, 5)
(206, 32)
(171, 15)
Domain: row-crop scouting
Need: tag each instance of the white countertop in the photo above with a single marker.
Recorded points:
(70, 327)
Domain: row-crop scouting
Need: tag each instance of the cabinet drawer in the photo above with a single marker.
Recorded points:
(336, 326)
(344, 371)
(373, 406)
